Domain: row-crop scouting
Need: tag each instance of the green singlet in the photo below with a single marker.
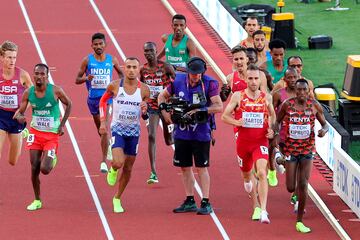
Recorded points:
(179, 55)
(275, 73)
(45, 110)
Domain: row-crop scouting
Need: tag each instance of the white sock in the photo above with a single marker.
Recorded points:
(248, 186)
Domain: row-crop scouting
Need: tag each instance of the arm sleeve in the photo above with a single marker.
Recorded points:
(103, 104)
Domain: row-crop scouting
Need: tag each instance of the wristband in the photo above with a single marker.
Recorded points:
(162, 106)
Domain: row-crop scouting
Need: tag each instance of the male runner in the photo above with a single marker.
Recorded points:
(178, 48)
(298, 118)
(13, 82)
(261, 46)
(46, 126)
(129, 96)
(97, 68)
(251, 25)
(253, 116)
(157, 75)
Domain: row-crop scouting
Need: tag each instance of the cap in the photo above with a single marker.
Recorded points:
(196, 65)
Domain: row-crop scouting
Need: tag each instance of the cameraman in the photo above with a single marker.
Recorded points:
(193, 139)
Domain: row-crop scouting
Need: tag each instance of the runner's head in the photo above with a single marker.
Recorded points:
(150, 51)
(277, 51)
(251, 25)
(302, 90)
(253, 77)
(296, 62)
(132, 68)
(239, 58)
(290, 77)
(8, 53)
(252, 56)
(178, 24)
(41, 74)
(98, 43)
(259, 40)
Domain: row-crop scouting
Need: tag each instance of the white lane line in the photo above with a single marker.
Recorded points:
(197, 187)
(70, 131)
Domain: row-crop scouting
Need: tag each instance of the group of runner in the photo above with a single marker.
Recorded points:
(271, 107)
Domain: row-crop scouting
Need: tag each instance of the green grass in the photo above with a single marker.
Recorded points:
(323, 65)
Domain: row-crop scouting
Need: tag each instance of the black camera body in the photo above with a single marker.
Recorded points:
(179, 108)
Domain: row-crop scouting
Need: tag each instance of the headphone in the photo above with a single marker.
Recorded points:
(194, 59)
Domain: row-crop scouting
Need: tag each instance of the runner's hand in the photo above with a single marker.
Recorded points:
(321, 132)
(19, 117)
(61, 131)
(239, 123)
(166, 116)
(143, 107)
(270, 133)
(102, 129)
(89, 77)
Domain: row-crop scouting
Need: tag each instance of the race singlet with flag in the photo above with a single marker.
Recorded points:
(45, 111)
(178, 55)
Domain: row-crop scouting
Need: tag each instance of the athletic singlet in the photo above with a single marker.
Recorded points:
(126, 112)
(275, 73)
(238, 84)
(283, 97)
(102, 72)
(299, 126)
(255, 115)
(45, 110)
(156, 80)
(11, 91)
(177, 56)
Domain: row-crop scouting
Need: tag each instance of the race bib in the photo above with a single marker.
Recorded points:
(30, 138)
(9, 101)
(100, 81)
(154, 91)
(253, 119)
(299, 131)
(264, 150)
(240, 161)
(43, 123)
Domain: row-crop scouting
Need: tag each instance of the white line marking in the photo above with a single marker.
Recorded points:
(70, 132)
(197, 187)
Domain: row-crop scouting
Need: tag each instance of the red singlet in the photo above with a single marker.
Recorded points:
(299, 127)
(11, 91)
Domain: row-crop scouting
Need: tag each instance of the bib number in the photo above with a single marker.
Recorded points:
(253, 119)
(100, 81)
(30, 138)
(154, 91)
(299, 131)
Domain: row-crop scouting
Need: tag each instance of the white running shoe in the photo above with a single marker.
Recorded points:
(280, 168)
(103, 167)
(264, 217)
(248, 186)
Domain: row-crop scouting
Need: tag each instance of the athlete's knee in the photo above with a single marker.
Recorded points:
(152, 138)
(290, 188)
(45, 170)
(117, 164)
(302, 185)
(261, 174)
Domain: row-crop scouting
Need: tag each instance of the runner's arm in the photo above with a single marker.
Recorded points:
(321, 118)
(272, 116)
(109, 93)
(164, 38)
(79, 78)
(19, 114)
(117, 67)
(227, 116)
(169, 70)
(61, 95)
(25, 79)
(191, 48)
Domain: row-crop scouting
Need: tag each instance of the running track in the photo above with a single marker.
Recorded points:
(63, 29)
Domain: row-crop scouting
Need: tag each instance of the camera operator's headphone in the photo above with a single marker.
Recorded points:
(194, 59)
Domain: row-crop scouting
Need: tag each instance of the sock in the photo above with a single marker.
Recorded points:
(248, 186)
(190, 199)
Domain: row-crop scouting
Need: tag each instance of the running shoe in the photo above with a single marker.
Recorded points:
(300, 227)
(112, 177)
(293, 199)
(248, 186)
(152, 179)
(272, 179)
(35, 205)
(205, 209)
(186, 207)
(54, 161)
(264, 217)
(280, 168)
(117, 206)
(103, 167)
(25, 133)
(256, 214)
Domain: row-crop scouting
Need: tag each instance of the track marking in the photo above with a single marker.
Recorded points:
(70, 132)
(197, 187)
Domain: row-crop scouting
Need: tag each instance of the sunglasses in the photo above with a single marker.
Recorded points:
(296, 65)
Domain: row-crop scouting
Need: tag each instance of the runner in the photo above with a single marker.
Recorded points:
(46, 126)
(157, 75)
(97, 68)
(13, 82)
(129, 96)
(178, 48)
(254, 114)
(298, 117)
